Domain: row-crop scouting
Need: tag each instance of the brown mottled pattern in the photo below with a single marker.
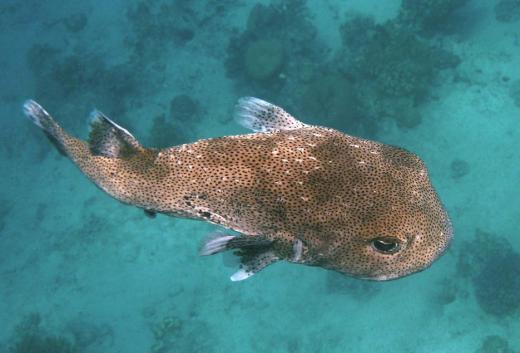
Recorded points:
(312, 195)
(334, 192)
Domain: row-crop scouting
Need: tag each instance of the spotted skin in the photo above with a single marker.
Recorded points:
(333, 192)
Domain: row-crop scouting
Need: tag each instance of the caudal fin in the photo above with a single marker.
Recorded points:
(50, 127)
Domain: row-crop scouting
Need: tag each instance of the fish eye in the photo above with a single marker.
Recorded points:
(386, 245)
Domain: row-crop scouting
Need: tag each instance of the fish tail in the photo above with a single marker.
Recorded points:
(256, 253)
(106, 138)
(53, 131)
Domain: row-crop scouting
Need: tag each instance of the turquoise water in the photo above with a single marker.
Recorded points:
(80, 272)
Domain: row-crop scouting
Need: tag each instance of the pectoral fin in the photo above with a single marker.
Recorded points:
(255, 252)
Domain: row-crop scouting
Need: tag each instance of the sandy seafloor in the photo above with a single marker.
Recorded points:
(102, 273)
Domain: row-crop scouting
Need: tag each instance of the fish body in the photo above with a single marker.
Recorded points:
(296, 192)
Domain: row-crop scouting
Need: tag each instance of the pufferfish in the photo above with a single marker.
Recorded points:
(301, 193)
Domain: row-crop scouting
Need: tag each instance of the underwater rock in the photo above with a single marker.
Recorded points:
(494, 344)
(263, 59)
(507, 11)
(514, 92)
(184, 108)
(459, 168)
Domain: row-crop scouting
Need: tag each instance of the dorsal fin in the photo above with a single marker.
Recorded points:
(109, 139)
(261, 116)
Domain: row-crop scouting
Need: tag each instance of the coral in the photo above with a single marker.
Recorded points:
(429, 16)
(391, 68)
(507, 11)
(357, 31)
(31, 338)
(155, 25)
(269, 51)
(494, 344)
(397, 62)
(165, 134)
(332, 100)
(165, 332)
(498, 283)
(263, 59)
(494, 269)
(459, 168)
(60, 76)
(184, 108)
(514, 92)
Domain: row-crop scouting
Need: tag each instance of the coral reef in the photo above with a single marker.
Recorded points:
(429, 16)
(514, 92)
(32, 338)
(507, 10)
(494, 270)
(267, 54)
(391, 68)
(157, 25)
(459, 168)
(494, 344)
(391, 65)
